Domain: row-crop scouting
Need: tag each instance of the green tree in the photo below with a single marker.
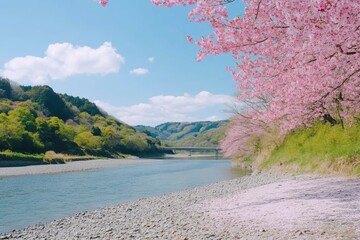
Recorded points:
(25, 117)
(5, 88)
(88, 142)
(56, 135)
(55, 106)
(14, 136)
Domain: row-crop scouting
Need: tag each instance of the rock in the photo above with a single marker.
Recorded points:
(183, 215)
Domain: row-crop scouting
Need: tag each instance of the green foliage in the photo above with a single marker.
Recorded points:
(5, 88)
(9, 158)
(5, 106)
(198, 134)
(53, 157)
(17, 131)
(25, 117)
(88, 142)
(207, 139)
(51, 101)
(83, 105)
(96, 131)
(15, 159)
(320, 148)
(37, 120)
(56, 135)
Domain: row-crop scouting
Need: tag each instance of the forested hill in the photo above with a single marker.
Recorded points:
(197, 134)
(36, 120)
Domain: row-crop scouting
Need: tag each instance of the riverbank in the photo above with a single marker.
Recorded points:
(70, 166)
(17, 159)
(253, 207)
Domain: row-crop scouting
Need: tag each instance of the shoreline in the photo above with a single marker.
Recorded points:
(261, 206)
(74, 166)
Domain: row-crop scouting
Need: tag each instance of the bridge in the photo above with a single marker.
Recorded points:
(195, 149)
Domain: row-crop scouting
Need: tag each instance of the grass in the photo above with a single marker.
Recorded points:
(9, 155)
(321, 148)
(9, 158)
(53, 157)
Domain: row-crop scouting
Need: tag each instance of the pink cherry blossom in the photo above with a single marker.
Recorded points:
(190, 39)
(103, 2)
(301, 58)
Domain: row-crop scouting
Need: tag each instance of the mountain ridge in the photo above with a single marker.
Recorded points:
(197, 134)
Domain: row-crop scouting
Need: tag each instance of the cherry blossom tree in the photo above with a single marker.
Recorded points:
(300, 57)
(296, 61)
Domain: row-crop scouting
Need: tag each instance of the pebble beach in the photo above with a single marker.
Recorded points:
(74, 166)
(263, 206)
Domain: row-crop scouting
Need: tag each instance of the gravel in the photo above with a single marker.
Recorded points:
(70, 166)
(253, 207)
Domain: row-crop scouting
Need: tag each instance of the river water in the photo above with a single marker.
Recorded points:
(27, 200)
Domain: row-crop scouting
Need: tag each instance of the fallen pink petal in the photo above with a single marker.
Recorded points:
(104, 2)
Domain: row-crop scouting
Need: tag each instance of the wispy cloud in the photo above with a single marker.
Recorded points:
(62, 60)
(151, 59)
(139, 71)
(162, 109)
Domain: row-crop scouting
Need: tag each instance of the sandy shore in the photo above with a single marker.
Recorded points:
(254, 207)
(69, 167)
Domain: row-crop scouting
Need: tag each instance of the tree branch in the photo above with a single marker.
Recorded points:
(257, 10)
(341, 84)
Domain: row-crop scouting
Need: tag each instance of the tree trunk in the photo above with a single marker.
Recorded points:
(328, 118)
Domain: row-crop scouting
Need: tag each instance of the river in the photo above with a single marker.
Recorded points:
(27, 200)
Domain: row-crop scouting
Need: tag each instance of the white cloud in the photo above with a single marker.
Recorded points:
(62, 60)
(139, 71)
(213, 118)
(151, 59)
(160, 109)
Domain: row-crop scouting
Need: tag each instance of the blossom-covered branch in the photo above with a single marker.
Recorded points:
(302, 55)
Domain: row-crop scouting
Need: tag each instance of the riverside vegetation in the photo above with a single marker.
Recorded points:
(322, 148)
(39, 125)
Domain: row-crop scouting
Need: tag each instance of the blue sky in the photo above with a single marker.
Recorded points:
(131, 58)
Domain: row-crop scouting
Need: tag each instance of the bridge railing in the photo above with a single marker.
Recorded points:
(195, 149)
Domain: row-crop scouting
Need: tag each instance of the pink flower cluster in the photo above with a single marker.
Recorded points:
(300, 57)
(103, 2)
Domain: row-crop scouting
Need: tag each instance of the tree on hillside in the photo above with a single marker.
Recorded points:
(88, 142)
(25, 117)
(53, 103)
(296, 61)
(5, 88)
(17, 132)
(83, 105)
(56, 135)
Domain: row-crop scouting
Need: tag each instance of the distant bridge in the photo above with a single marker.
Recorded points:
(195, 149)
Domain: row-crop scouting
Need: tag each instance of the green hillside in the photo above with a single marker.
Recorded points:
(35, 120)
(197, 134)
